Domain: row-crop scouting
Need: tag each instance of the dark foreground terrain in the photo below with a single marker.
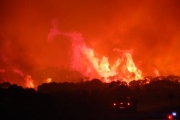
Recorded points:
(88, 101)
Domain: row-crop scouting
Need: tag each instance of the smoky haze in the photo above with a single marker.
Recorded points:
(150, 29)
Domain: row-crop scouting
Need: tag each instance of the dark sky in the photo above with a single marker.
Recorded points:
(150, 28)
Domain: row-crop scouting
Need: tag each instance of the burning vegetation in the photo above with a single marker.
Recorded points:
(74, 41)
(73, 59)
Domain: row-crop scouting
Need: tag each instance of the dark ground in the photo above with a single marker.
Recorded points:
(83, 104)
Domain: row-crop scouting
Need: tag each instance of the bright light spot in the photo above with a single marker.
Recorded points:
(174, 113)
(170, 117)
(48, 80)
(114, 104)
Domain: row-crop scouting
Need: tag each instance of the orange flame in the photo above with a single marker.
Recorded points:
(29, 82)
(89, 64)
(48, 80)
(132, 68)
(156, 71)
(110, 72)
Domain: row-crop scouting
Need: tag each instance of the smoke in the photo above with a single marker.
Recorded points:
(15, 70)
(54, 30)
(149, 28)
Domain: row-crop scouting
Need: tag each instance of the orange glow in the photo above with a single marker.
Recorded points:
(114, 104)
(99, 67)
(124, 40)
(106, 70)
(156, 71)
(2, 70)
(132, 68)
(128, 104)
(29, 82)
(48, 80)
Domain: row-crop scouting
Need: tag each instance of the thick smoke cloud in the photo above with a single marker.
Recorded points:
(151, 29)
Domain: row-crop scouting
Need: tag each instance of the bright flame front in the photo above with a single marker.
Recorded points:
(87, 62)
(124, 67)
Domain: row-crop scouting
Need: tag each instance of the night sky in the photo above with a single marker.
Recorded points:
(150, 29)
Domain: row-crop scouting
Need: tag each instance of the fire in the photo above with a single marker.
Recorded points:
(132, 68)
(150, 28)
(156, 71)
(102, 65)
(29, 82)
(86, 61)
(48, 80)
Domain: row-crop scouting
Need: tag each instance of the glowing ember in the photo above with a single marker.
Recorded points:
(29, 82)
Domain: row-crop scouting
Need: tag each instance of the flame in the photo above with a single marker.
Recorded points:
(102, 65)
(125, 25)
(107, 70)
(48, 80)
(156, 72)
(86, 61)
(132, 68)
(29, 81)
